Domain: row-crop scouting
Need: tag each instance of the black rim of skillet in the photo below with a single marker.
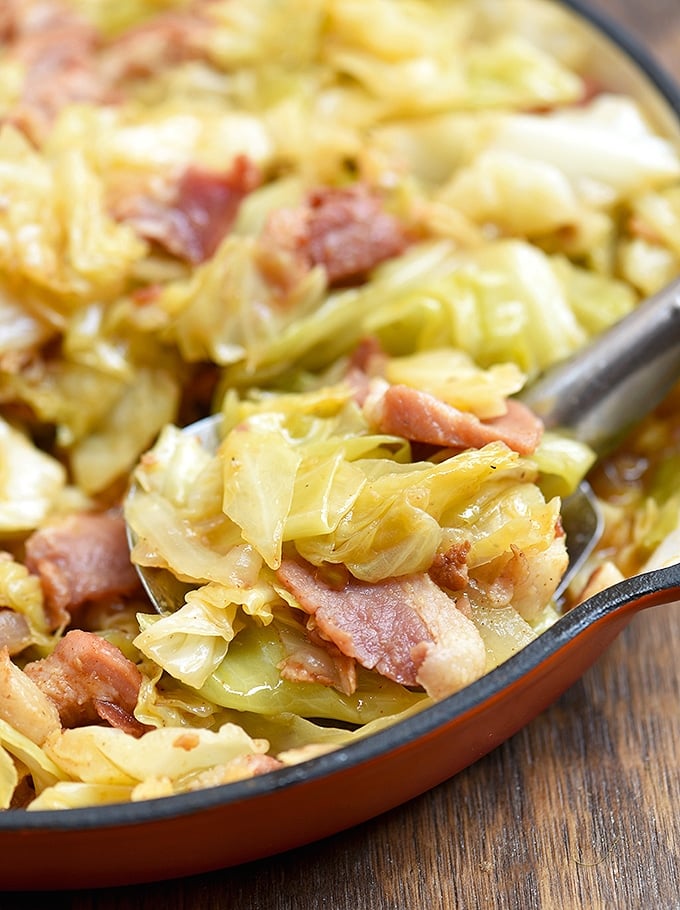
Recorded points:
(436, 715)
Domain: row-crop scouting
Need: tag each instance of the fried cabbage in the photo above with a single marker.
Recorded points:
(206, 211)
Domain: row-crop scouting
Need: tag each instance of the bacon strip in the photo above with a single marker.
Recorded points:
(374, 623)
(420, 417)
(58, 52)
(83, 558)
(200, 214)
(345, 230)
(168, 39)
(406, 628)
(89, 680)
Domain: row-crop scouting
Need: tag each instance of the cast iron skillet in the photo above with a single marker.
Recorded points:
(209, 829)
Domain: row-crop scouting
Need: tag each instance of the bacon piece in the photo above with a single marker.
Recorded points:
(115, 716)
(406, 628)
(349, 233)
(374, 623)
(345, 230)
(88, 680)
(57, 50)
(525, 580)
(83, 558)
(420, 417)
(319, 661)
(194, 221)
(449, 569)
(167, 40)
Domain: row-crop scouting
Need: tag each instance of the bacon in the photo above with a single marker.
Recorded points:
(449, 569)
(167, 40)
(420, 417)
(522, 579)
(57, 50)
(349, 233)
(345, 230)
(374, 623)
(318, 660)
(406, 628)
(201, 212)
(89, 680)
(83, 558)
(116, 716)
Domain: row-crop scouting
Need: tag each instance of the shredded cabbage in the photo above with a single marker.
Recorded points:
(282, 226)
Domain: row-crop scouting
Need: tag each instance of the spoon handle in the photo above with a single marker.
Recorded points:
(603, 390)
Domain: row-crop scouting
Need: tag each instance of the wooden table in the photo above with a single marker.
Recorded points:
(579, 810)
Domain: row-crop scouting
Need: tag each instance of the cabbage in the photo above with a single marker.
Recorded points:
(112, 19)
(9, 778)
(660, 212)
(20, 329)
(74, 794)
(562, 463)
(30, 482)
(507, 71)
(259, 480)
(503, 632)
(453, 377)
(110, 757)
(43, 770)
(501, 303)
(604, 148)
(60, 238)
(521, 196)
(104, 422)
(192, 642)
(536, 217)
(248, 680)
(24, 705)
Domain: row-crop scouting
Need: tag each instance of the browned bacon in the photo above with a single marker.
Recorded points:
(191, 224)
(420, 417)
(449, 569)
(346, 230)
(89, 680)
(83, 558)
(374, 623)
(319, 661)
(56, 49)
(406, 628)
(167, 40)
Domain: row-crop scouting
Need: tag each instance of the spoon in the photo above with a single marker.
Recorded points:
(598, 394)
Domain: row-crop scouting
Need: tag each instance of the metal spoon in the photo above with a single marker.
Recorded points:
(596, 396)
(604, 390)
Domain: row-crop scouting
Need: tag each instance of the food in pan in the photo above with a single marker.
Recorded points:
(356, 240)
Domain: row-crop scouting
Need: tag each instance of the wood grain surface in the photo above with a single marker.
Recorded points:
(579, 810)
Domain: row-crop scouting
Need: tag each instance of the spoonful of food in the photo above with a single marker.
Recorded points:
(595, 396)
